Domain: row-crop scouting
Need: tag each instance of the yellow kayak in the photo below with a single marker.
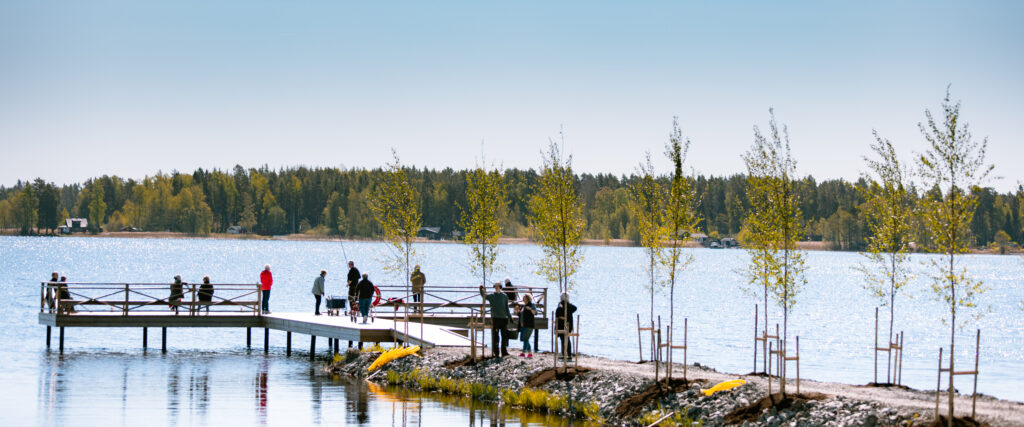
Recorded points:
(392, 354)
(722, 386)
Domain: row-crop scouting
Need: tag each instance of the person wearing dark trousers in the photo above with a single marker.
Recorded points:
(564, 314)
(318, 289)
(266, 281)
(418, 279)
(353, 283)
(365, 293)
(500, 316)
(176, 293)
(205, 294)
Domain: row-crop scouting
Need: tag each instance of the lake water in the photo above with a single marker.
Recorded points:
(208, 377)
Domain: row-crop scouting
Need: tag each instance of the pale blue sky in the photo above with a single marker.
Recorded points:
(129, 88)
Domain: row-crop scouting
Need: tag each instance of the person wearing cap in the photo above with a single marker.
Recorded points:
(500, 317)
(266, 281)
(176, 292)
(318, 290)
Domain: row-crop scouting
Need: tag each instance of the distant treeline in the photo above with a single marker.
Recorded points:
(333, 201)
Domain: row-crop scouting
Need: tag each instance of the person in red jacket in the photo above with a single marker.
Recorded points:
(266, 281)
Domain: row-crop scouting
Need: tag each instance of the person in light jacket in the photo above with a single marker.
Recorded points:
(318, 289)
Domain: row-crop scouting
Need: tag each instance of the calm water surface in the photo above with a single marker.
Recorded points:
(209, 378)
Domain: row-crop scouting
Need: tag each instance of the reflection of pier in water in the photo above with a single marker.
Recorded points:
(441, 320)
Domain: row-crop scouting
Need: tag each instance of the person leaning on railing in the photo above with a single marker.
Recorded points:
(50, 290)
(176, 293)
(205, 294)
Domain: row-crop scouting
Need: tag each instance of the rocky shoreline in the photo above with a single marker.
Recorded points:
(624, 393)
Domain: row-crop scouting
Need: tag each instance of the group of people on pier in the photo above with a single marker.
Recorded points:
(511, 317)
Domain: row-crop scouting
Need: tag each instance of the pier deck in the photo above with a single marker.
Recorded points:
(443, 322)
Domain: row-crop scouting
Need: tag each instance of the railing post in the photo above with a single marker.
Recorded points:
(192, 307)
(124, 308)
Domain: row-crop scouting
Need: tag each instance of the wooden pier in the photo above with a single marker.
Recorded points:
(136, 305)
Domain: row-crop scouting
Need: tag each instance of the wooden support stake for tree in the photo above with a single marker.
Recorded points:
(876, 345)
(977, 353)
(755, 371)
(938, 385)
(769, 373)
(639, 339)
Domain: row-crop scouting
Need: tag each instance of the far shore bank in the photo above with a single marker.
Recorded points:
(805, 245)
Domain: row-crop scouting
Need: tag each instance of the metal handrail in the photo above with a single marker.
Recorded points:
(66, 298)
(456, 299)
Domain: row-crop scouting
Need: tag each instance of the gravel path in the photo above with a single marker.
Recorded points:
(612, 381)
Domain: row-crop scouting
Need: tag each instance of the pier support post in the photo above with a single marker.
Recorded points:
(350, 344)
(248, 338)
(288, 344)
(312, 347)
(61, 340)
(266, 340)
(47, 337)
(335, 347)
(145, 338)
(163, 339)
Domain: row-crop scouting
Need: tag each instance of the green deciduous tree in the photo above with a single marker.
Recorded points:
(556, 215)
(396, 208)
(481, 219)
(772, 170)
(26, 209)
(953, 166)
(97, 207)
(888, 210)
(680, 220)
(647, 205)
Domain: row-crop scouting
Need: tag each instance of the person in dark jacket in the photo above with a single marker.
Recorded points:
(52, 290)
(510, 291)
(500, 317)
(64, 294)
(564, 314)
(205, 294)
(352, 283)
(176, 292)
(365, 293)
(527, 312)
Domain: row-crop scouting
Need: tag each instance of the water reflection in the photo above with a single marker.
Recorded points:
(98, 387)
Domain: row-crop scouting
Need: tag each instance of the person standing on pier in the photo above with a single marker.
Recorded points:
(365, 293)
(176, 292)
(500, 316)
(205, 295)
(266, 281)
(318, 290)
(418, 279)
(353, 283)
(51, 290)
(64, 294)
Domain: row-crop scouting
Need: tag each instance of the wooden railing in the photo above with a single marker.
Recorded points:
(63, 298)
(453, 301)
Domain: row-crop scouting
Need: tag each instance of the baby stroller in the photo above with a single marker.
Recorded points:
(334, 305)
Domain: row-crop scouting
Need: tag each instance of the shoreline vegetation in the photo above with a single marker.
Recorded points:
(602, 391)
(313, 237)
